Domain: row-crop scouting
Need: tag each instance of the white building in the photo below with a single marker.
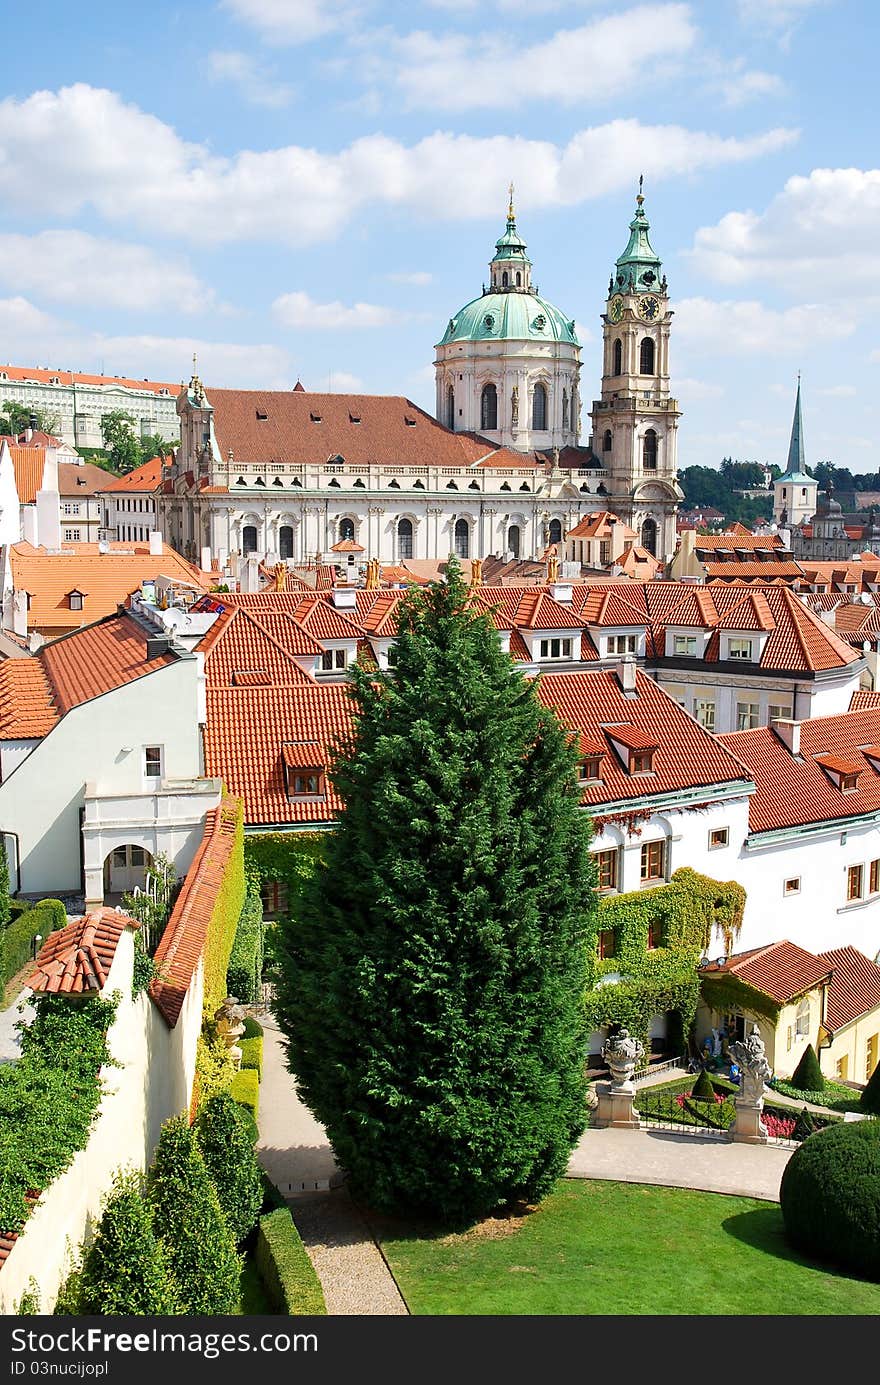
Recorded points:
(79, 401)
(130, 510)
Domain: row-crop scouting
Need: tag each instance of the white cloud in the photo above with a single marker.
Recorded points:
(689, 389)
(341, 382)
(417, 278)
(87, 141)
(583, 333)
(741, 86)
(39, 338)
(569, 68)
(257, 84)
(751, 328)
(292, 21)
(775, 14)
(300, 310)
(839, 391)
(74, 267)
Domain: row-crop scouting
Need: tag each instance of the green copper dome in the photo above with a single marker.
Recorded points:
(639, 268)
(510, 317)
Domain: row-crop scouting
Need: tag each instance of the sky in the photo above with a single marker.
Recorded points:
(312, 188)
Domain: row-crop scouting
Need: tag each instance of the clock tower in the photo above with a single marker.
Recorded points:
(635, 422)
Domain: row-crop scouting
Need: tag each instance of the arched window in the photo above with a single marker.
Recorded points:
(489, 407)
(802, 1021)
(504, 280)
(249, 539)
(513, 540)
(555, 532)
(518, 279)
(646, 356)
(606, 440)
(539, 408)
(404, 538)
(649, 451)
(462, 536)
(649, 536)
(618, 358)
(565, 408)
(285, 541)
(450, 407)
(346, 529)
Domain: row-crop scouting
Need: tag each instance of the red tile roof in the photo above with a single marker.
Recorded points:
(600, 525)
(27, 706)
(320, 619)
(97, 659)
(782, 970)
(37, 375)
(83, 479)
(143, 478)
(738, 538)
(793, 792)
(28, 463)
(76, 960)
(239, 643)
(864, 700)
(854, 989)
(347, 546)
(183, 942)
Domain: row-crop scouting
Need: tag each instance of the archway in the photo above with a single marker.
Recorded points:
(125, 870)
(404, 538)
(649, 535)
(649, 450)
(513, 540)
(646, 356)
(346, 529)
(462, 536)
(555, 532)
(285, 541)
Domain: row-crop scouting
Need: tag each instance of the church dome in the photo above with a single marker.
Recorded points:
(510, 317)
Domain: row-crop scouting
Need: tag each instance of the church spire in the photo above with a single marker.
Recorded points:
(796, 469)
(510, 267)
(639, 269)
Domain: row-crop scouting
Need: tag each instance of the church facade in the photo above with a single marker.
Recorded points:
(499, 472)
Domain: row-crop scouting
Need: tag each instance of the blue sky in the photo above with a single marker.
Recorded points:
(313, 187)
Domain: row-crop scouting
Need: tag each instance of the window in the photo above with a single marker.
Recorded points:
(874, 877)
(618, 357)
(555, 532)
(306, 784)
(641, 762)
(841, 1070)
(346, 530)
(652, 864)
(70, 509)
(655, 936)
(747, 715)
(777, 711)
(854, 882)
(719, 836)
(704, 711)
(606, 440)
(153, 762)
(463, 534)
(450, 407)
(606, 870)
(285, 541)
(504, 280)
(565, 408)
(605, 943)
(685, 644)
(71, 535)
(622, 644)
(556, 649)
(404, 538)
(646, 356)
(75, 601)
(848, 782)
(792, 885)
(789, 1037)
(249, 539)
(539, 408)
(333, 659)
(802, 1023)
(739, 649)
(589, 769)
(871, 1055)
(649, 451)
(489, 407)
(513, 540)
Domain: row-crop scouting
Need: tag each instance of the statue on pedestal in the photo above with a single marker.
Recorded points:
(749, 1102)
(622, 1052)
(229, 1019)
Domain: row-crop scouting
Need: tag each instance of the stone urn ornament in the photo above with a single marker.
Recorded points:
(229, 1019)
(622, 1053)
(749, 1101)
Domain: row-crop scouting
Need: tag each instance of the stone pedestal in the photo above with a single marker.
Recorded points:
(748, 1128)
(615, 1108)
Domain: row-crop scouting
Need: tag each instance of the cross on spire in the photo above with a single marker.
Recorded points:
(639, 198)
(510, 211)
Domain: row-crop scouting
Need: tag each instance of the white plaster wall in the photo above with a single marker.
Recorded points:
(154, 1083)
(42, 798)
(10, 509)
(686, 832)
(12, 753)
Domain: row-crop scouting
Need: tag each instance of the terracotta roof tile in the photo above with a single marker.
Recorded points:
(240, 641)
(27, 706)
(854, 989)
(84, 479)
(97, 659)
(39, 375)
(783, 971)
(76, 960)
(864, 700)
(143, 478)
(28, 463)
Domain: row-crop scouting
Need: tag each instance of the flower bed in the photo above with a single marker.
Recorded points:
(834, 1096)
(673, 1102)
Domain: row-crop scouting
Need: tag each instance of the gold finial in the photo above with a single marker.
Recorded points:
(476, 572)
(510, 211)
(639, 198)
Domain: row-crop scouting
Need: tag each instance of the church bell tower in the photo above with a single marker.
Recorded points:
(635, 422)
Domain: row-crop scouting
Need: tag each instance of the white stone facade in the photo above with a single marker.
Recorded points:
(78, 401)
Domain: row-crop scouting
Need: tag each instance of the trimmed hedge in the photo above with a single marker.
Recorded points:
(288, 1275)
(125, 1270)
(807, 1076)
(17, 938)
(252, 1055)
(245, 970)
(252, 1028)
(223, 1131)
(870, 1098)
(702, 1089)
(830, 1196)
(245, 1089)
(228, 904)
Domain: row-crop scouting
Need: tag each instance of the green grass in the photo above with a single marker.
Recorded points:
(622, 1248)
(835, 1096)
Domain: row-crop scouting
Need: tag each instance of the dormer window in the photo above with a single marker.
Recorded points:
(261, 415)
(316, 418)
(410, 422)
(354, 418)
(641, 762)
(303, 764)
(589, 770)
(75, 600)
(739, 649)
(685, 645)
(635, 747)
(555, 649)
(844, 774)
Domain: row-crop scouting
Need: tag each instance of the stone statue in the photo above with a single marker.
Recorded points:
(622, 1052)
(756, 1070)
(514, 406)
(229, 1019)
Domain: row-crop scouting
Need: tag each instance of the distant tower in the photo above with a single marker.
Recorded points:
(635, 422)
(795, 492)
(508, 363)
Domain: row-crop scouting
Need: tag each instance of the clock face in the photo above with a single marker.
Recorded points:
(615, 311)
(649, 308)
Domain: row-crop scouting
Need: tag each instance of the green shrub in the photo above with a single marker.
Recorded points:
(125, 1270)
(17, 939)
(252, 1054)
(245, 970)
(830, 1196)
(250, 1123)
(252, 1028)
(870, 1097)
(223, 1130)
(29, 1303)
(804, 1126)
(807, 1076)
(190, 1225)
(5, 901)
(245, 1089)
(18, 907)
(702, 1088)
(288, 1275)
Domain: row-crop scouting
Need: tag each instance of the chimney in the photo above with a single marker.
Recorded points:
(789, 732)
(155, 543)
(626, 677)
(344, 598)
(206, 559)
(561, 592)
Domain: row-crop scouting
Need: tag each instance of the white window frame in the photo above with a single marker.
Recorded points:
(750, 713)
(724, 833)
(740, 649)
(701, 705)
(685, 646)
(795, 882)
(148, 759)
(802, 1018)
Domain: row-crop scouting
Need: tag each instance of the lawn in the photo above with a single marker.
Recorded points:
(622, 1248)
(835, 1096)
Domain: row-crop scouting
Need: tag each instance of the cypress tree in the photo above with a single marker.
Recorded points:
(124, 1270)
(193, 1232)
(430, 984)
(870, 1098)
(807, 1076)
(225, 1136)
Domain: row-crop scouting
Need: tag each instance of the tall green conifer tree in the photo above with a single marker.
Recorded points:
(431, 982)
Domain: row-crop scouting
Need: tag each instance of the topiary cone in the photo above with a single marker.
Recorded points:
(808, 1075)
(870, 1098)
(702, 1089)
(804, 1125)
